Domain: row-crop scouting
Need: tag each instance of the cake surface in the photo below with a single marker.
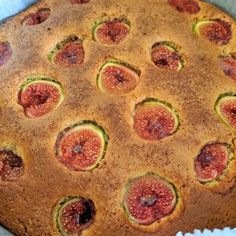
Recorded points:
(176, 60)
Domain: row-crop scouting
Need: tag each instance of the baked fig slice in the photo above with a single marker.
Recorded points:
(72, 215)
(39, 95)
(228, 65)
(225, 108)
(212, 161)
(117, 77)
(79, 1)
(37, 18)
(5, 52)
(69, 52)
(155, 119)
(188, 6)
(216, 31)
(11, 165)
(111, 31)
(82, 146)
(165, 55)
(148, 199)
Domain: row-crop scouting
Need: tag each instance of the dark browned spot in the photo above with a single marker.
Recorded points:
(205, 160)
(148, 200)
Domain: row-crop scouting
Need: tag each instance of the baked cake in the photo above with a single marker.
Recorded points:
(117, 118)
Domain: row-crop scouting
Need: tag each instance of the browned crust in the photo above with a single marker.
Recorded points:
(192, 92)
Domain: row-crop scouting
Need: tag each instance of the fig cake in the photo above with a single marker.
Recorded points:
(117, 118)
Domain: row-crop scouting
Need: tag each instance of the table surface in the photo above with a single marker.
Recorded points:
(8, 8)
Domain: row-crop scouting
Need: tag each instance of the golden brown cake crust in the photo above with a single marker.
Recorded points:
(26, 204)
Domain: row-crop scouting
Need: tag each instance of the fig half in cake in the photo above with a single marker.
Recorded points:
(5, 52)
(72, 215)
(148, 200)
(39, 95)
(111, 31)
(225, 108)
(155, 119)
(228, 64)
(165, 55)
(11, 165)
(216, 31)
(81, 146)
(117, 77)
(212, 161)
(69, 52)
